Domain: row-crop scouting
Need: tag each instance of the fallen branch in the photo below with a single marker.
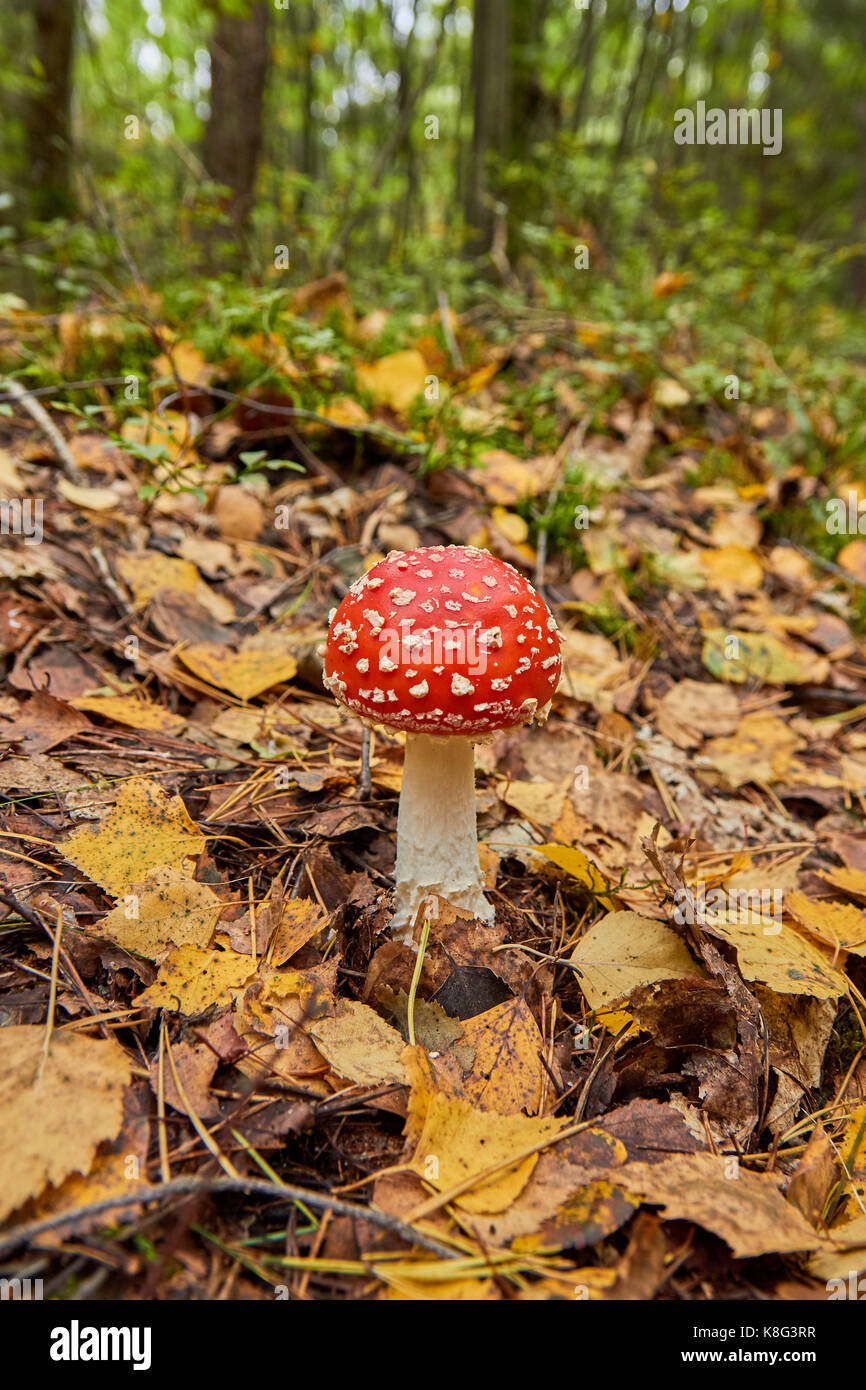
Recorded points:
(21, 1235)
(41, 417)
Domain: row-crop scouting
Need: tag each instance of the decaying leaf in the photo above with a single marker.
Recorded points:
(624, 951)
(169, 910)
(360, 1045)
(56, 1108)
(741, 656)
(743, 1207)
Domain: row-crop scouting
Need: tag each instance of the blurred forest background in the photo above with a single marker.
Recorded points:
(392, 134)
(513, 158)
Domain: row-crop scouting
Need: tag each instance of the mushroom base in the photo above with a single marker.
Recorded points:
(437, 844)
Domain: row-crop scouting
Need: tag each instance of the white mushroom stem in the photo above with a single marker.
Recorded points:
(437, 838)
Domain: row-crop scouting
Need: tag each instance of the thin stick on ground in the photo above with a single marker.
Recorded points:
(39, 415)
(179, 1187)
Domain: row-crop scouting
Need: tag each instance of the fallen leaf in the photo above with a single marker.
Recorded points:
(624, 951)
(761, 750)
(54, 1113)
(43, 723)
(843, 1260)
(668, 282)
(745, 1208)
(840, 925)
(192, 980)
(92, 499)
(506, 479)
(184, 360)
(458, 1142)
(538, 801)
(777, 956)
(146, 829)
(238, 514)
(694, 710)
(394, 380)
(852, 881)
(506, 1073)
(245, 673)
(852, 557)
(360, 1045)
(588, 1216)
(669, 393)
(300, 920)
(195, 1064)
(512, 526)
(170, 911)
(134, 712)
(732, 567)
(576, 864)
(741, 656)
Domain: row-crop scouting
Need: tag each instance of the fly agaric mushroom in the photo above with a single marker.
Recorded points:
(448, 644)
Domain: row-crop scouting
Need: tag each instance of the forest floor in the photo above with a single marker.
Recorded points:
(648, 1079)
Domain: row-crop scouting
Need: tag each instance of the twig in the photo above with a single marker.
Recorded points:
(52, 993)
(41, 417)
(21, 1235)
(447, 331)
(364, 785)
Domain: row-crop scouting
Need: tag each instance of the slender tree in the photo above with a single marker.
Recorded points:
(49, 133)
(491, 87)
(233, 135)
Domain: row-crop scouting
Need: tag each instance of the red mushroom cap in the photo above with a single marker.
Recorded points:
(444, 640)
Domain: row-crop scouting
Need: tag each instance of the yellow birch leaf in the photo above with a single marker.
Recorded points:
(171, 911)
(300, 921)
(624, 951)
(459, 1142)
(135, 713)
(852, 881)
(191, 980)
(245, 673)
(146, 829)
(840, 925)
(506, 1071)
(360, 1045)
(777, 956)
(148, 572)
(575, 863)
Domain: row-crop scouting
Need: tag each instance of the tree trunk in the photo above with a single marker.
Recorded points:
(491, 87)
(49, 138)
(587, 38)
(233, 135)
(633, 87)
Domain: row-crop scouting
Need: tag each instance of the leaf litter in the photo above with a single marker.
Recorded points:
(657, 1049)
